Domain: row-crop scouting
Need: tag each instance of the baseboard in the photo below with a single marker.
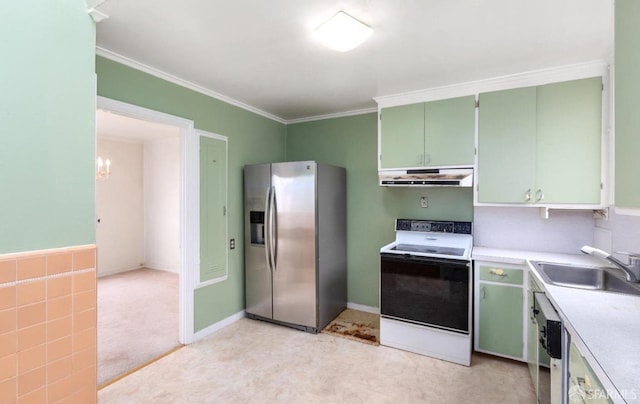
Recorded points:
(160, 267)
(116, 271)
(362, 307)
(205, 332)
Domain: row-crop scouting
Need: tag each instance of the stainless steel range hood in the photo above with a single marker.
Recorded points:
(427, 177)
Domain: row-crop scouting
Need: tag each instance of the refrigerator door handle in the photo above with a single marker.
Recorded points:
(274, 229)
(267, 229)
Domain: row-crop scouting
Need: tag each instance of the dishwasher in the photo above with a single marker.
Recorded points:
(547, 344)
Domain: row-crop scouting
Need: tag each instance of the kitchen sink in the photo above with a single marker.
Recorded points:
(584, 277)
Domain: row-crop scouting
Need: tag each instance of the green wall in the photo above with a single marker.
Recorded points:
(352, 142)
(47, 112)
(627, 103)
(252, 139)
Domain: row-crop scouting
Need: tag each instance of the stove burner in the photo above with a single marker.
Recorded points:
(427, 249)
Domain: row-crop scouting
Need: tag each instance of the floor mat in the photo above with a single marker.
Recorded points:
(356, 325)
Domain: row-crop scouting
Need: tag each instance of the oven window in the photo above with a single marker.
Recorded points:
(427, 291)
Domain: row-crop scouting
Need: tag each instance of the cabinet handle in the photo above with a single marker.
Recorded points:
(483, 293)
(539, 195)
(420, 159)
(584, 384)
(498, 272)
(527, 195)
(427, 158)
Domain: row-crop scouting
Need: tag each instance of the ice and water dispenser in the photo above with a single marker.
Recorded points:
(256, 220)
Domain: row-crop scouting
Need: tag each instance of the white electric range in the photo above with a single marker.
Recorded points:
(426, 288)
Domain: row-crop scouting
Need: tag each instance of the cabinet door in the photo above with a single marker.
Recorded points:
(450, 131)
(568, 142)
(627, 81)
(506, 146)
(500, 319)
(584, 385)
(402, 136)
(532, 340)
(213, 210)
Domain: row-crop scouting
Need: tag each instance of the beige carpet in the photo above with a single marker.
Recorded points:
(137, 320)
(356, 325)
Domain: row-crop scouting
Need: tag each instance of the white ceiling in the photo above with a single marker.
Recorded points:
(262, 53)
(114, 126)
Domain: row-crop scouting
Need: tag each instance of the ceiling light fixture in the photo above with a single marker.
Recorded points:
(342, 32)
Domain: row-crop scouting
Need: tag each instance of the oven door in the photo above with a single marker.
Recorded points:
(428, 291)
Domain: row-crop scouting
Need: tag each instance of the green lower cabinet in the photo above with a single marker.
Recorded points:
(584, 385)
(500, 319)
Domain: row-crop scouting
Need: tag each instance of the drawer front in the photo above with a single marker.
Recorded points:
(502, 275)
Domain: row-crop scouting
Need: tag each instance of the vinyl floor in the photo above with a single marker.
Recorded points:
(251, 361)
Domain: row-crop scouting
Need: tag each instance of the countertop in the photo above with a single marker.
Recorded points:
(607, 324)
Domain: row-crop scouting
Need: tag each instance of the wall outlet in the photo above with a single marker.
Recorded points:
(423, 202)
(232, 244)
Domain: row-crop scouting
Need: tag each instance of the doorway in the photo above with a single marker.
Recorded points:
(142, 196)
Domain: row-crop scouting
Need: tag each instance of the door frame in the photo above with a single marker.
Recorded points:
(189, 203)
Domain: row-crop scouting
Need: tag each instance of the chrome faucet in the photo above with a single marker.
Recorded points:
(631, 270)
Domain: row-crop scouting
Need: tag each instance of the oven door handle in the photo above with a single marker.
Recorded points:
(420, 258)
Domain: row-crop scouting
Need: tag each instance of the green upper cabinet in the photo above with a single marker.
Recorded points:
(569, 141)
(402, 136)
(436, 133)
(627, 138)
(450, 132)
(506, 145)
(541, 145)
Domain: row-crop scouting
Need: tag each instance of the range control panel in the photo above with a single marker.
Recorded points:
(436, 226)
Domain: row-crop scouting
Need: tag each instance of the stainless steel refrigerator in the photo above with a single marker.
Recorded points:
(295, 243)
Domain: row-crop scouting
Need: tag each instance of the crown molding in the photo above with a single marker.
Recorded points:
(525, 79)
(334, 115)
(105, 53)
